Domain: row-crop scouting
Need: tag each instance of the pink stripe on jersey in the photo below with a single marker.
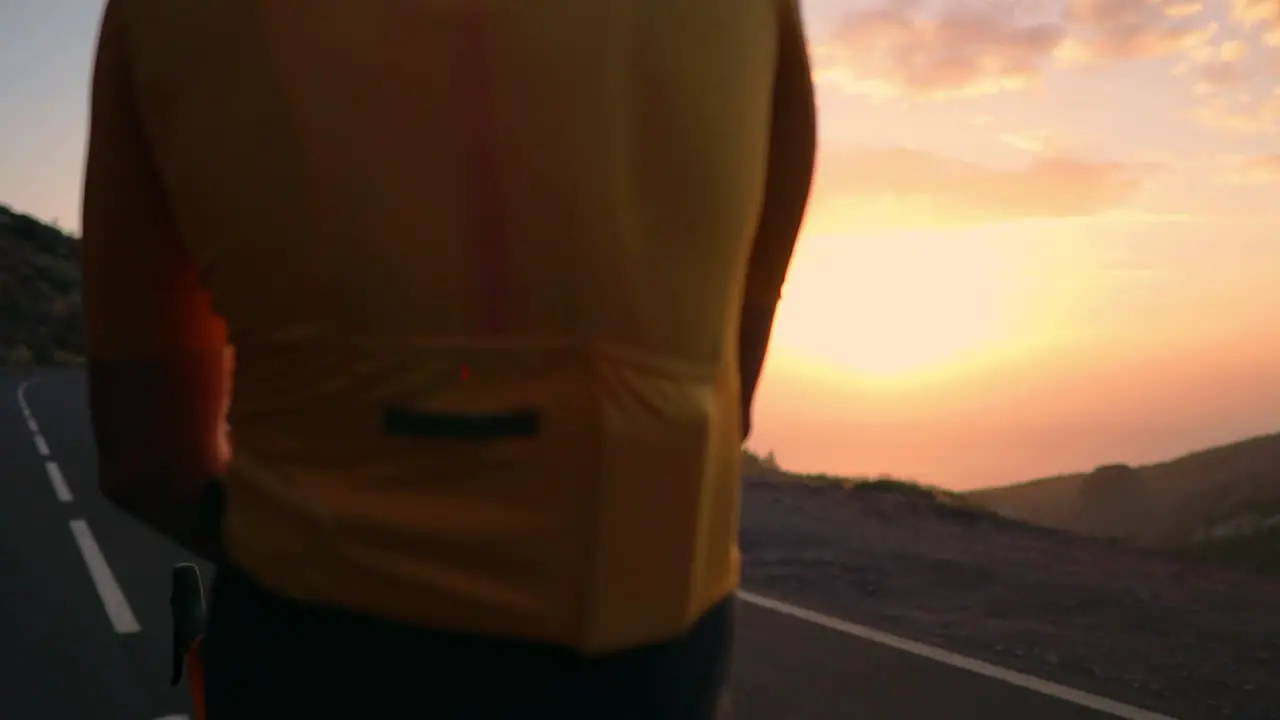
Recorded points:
(491, 243)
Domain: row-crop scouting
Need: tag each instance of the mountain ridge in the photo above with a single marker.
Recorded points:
(41, 322)
(1206, 494)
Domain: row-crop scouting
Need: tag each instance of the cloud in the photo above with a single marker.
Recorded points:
(1242, 113)
(1250, 12)
(1231, 74)
(1255, 170)
(1215, 67)
(1117, 30)
(937, 49)
(899, 50)
(1040, 142)
(901, 187)
(1183, 9)
(1226, 66)
(1262, 16)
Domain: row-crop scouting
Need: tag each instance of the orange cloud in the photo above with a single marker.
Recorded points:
(914, 49)
(1040, 142)
(1255, 170)
(1183, 9)
(1262, 15)
(900, 187)
(1215, 67)
(1241, 113)
(1110, 30)
(962, 50)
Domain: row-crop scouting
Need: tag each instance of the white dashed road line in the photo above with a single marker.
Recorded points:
(104, 581)
(109, 590)
(59, 482)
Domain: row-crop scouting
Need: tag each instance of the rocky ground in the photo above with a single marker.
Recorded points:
(1185, 639)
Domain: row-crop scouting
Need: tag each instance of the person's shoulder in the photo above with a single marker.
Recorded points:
(789, 14)
(144, 24)
(126, 22)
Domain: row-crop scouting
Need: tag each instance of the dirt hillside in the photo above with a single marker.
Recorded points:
(1226, 491)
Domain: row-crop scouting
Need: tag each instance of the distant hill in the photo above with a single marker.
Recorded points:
(1221, 501)
(937, 500)
(40, 318)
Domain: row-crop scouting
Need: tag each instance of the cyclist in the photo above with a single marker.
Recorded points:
(499, 276)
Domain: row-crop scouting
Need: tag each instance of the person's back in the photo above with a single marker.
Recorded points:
(482, 263)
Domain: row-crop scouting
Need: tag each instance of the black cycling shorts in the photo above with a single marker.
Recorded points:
(271, 657)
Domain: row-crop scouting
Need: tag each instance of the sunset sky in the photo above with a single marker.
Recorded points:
(1042, 234)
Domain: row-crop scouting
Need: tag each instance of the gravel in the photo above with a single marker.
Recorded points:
(1182, 638)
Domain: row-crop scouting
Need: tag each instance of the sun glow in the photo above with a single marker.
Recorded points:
(906, 306)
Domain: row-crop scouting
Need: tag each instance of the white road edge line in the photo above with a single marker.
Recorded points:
(60, 487)
(22, 396)
(26, 409)
(1044, 687)
(22, 401)
(41, 445)
(113, 599)
(174, 717)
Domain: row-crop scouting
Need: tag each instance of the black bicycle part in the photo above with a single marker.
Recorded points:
(187, 610)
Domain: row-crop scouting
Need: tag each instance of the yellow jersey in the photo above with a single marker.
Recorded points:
(483, 263)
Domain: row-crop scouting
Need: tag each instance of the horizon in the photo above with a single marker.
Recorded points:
(1038, 239)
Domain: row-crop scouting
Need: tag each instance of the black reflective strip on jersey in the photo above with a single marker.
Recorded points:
(403, 422)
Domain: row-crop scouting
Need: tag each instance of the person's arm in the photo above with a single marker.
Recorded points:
(155, 345)
(792, 146)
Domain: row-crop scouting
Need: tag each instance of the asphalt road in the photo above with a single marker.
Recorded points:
(84, 626)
